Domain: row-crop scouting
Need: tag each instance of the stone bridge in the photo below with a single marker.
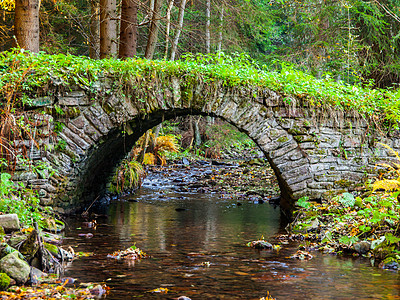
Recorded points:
(314, 151)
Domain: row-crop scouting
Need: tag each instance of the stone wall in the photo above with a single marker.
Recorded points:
(314, 151)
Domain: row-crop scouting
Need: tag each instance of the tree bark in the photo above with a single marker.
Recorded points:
(94, 39)
(168, 27)
(153, 32)
(26, 24)
(108, 28)
(221, 23)
(128, 34)
(179, 29)
(208, 24)
(197, 136)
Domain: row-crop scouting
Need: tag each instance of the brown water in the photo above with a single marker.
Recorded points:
(201, 252)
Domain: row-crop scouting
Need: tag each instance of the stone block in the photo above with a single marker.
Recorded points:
(74, 98)
(9, 222)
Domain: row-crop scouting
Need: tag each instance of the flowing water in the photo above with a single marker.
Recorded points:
(197, 243)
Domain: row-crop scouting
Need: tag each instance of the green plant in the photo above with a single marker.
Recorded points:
(303, 202)
(20, 200)
(128, 176)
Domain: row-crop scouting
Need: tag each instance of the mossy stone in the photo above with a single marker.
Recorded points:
(53, 249)
(4, 281)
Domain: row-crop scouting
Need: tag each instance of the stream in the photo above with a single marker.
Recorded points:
(197, 247)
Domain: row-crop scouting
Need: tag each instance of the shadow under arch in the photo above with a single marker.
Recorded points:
(102, 159)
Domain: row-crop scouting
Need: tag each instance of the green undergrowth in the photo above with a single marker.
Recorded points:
(18, 199)
(367, 226)
(46, 70)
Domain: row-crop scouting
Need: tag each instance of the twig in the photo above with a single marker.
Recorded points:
(86, 212)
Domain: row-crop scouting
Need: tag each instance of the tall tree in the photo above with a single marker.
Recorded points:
(179, 29)
(153, 32)
(94, 38)
(108, 28)
(221, 26)
(26, 24)
(208, 24)
(168, 27)
(128, 33)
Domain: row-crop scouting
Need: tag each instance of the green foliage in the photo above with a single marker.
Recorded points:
(303, 202)
(347, 200)
(231, 70)
(19, 200)
(128, 176)
(4, 281)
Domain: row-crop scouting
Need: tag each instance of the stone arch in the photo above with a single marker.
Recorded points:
(311, 155)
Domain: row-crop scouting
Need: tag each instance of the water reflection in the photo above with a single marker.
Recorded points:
(197, 243)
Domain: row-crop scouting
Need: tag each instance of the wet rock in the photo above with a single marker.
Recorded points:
(9, 222)
(86, 235)
(36, 276)
(390, 265)
(15, 267)
(98, 290)
(260, 244)
(362, 247)
(302, 255)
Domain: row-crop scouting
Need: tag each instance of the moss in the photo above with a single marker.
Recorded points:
(283, 139)
(343, 183)
(53, 249)
(297, 131)
(107, 108)
(4, 281)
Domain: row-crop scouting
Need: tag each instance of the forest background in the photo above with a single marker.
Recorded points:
(349, 40)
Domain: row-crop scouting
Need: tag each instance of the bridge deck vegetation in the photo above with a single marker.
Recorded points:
(35, 75)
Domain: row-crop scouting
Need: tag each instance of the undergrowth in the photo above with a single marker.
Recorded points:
(63, 70)
(367, 224)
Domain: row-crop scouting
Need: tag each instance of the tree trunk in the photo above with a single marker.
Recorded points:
(153, 32)
(108, 28)
(208, 24)
(144, 147)
(128, 34)
(179, 29)
(26, 24)
(168, 27)
(94, 39)
(197, 136)
(221, 23)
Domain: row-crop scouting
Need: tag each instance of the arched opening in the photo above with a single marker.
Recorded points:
(98, 165)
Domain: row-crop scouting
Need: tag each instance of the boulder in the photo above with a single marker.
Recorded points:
(15, 267)
(37, 275)
(30, 246)
(362, 247)
(9, 222)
